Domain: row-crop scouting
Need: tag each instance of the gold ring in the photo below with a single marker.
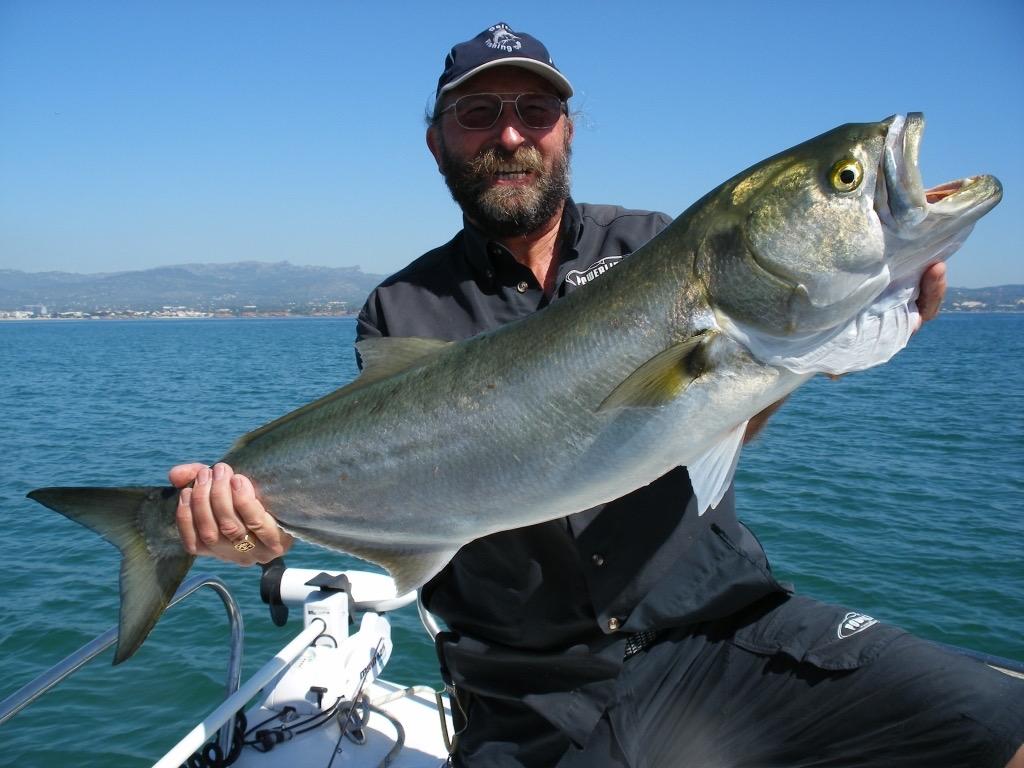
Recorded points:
(243, 544)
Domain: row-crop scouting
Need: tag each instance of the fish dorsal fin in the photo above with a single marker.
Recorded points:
(662, 378)
(382, 357)
(711, 474)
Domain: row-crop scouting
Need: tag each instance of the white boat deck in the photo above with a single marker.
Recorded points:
(422, 742)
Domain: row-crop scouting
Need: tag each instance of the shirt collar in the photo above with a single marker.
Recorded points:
(480, 249)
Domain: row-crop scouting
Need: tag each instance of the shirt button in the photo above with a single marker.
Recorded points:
(614, 624)
(597, 560)
(523, 286)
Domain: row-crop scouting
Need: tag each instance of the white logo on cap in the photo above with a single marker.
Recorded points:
(502, 39)
(853, 623)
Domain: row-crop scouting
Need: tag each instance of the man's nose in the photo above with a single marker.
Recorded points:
(510, 128)
(510, 137)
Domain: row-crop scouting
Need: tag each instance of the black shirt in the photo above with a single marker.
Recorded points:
(542, 613)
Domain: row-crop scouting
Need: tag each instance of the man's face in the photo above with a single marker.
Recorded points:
(508, 179)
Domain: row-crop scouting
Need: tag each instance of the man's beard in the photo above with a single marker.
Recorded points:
(507, 211)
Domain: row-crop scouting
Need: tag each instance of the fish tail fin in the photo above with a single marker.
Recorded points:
(139, 522)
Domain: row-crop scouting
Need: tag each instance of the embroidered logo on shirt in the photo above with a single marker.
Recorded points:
(853, 623)
(578, 278)
(502, 39)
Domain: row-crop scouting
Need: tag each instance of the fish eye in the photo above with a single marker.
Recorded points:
(846, 175)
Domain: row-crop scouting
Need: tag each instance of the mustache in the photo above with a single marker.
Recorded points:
(491, 161)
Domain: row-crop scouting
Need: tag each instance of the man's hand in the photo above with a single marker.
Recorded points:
(219, 510)
(931, 292)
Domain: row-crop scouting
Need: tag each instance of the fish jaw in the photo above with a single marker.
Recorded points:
(924, 226)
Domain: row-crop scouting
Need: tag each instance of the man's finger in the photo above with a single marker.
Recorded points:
(183, 517)
(229, 523)
(183, 474)
(202, 514)
(256, 518)
(932, 291)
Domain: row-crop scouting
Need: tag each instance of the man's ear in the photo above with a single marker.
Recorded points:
(434, 144)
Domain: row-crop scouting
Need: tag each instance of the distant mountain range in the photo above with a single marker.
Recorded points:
(272, 288)
(1004, 298)
(268, 287)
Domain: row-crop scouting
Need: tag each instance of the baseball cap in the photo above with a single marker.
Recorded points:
(499, 45)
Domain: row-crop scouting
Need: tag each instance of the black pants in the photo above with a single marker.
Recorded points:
(793, 683)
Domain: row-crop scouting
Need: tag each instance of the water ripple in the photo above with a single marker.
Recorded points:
(897, 491)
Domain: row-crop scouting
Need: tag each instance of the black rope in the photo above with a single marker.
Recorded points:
(376, 655)
(210, 754)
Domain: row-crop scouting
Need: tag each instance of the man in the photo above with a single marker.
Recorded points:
(637, 633)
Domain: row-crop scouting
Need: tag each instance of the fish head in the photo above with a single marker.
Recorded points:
(803, 242)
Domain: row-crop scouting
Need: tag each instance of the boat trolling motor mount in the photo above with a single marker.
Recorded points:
(337, 661)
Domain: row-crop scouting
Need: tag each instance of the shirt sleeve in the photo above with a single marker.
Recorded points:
(370, 323)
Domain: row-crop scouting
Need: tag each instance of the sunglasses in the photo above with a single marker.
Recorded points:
(480, 111)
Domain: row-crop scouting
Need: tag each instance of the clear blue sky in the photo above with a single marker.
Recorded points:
(136, 134)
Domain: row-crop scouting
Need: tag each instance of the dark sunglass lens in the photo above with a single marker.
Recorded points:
(538, 110)
(479, 110)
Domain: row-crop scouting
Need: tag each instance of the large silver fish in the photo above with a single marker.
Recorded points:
(808, 262)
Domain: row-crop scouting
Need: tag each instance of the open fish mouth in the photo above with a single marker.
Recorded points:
(942, 191)
(902, 201)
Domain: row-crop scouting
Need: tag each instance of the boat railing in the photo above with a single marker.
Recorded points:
(427, 619)
(31, 691)
(223, 716)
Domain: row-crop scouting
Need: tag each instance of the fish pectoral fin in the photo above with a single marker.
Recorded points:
(385, 356)
(712, 473)
(662, 378)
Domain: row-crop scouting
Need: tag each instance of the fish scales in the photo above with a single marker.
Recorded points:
(443, 416)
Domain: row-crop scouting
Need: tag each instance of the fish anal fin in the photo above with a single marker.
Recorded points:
(711, 474)
(410, 566)
(412, 570)
(662, 378)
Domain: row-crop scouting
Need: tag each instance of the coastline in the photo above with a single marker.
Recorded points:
(197, 315)
(191, 316)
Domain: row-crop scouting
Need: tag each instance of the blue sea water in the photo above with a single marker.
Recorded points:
(898, 492)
